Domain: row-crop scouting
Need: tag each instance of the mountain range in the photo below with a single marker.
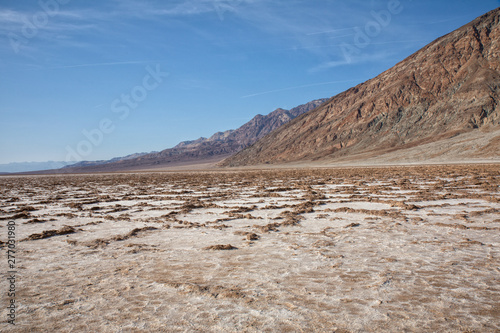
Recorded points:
(440, 104)
(203, 150)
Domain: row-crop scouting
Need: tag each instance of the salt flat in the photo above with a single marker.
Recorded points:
(401, 249)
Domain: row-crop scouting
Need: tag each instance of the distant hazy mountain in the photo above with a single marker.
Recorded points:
(31, 166)
(218, 146)
(431, 104)
(82, 164)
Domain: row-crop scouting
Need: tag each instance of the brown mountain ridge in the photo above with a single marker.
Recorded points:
(203, 150)
(440, 102)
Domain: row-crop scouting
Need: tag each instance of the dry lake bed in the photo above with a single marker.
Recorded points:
(397, 249)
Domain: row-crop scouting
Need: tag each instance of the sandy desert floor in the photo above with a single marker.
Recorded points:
(400, 249)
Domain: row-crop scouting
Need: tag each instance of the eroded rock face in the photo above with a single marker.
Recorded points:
(232, 141)
(450, 86)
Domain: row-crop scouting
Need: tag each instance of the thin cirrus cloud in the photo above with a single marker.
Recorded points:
(271, 19)
(329, 31)
(8, 16)
(337, 58)
(298, 87)
(365, 57)
(186, 9)
(19, 18)
(293, 28)
(115, 63)
(15, 23)
(64, 21)
(182, 8)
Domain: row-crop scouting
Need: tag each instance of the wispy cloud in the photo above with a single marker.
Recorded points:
(29, 30)
(299, 87)
(19, 18)
(8, 16)
(311, 30)
(331, 64)
(330, 31)
(422, 23)
(364, 57)
(189, 8)
(115, 63)
(67, 22)
(182, 8)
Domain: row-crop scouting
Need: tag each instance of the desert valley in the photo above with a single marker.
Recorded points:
(375, 210)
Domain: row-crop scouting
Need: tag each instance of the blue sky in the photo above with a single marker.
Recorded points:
(94, 80)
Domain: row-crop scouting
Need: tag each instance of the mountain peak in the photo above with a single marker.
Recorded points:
(213, 149)
(449, 87)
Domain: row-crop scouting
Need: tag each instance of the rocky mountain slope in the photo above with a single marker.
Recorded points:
(213, 149)
(448, 89)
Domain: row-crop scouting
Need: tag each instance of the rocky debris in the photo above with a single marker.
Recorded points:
(51, 233)
(220, 247)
